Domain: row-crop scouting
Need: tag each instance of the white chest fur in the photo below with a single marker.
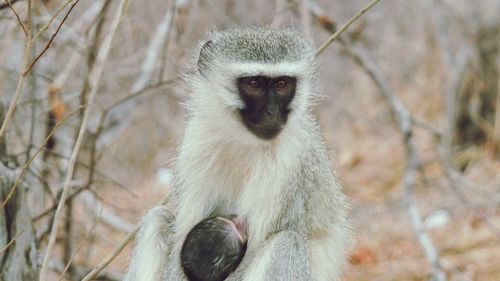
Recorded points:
(229, 178)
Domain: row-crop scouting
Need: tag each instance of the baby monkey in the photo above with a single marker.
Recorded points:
(214, 248)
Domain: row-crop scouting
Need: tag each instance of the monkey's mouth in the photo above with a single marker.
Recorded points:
(264, 126)
(266, 131)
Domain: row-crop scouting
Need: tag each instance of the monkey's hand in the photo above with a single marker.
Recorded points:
(152, 246)
(283, 257)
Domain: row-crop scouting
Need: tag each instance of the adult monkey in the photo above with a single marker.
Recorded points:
(252, 147)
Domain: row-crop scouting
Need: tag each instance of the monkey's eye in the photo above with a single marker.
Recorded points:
(281, 83)
(255, 83)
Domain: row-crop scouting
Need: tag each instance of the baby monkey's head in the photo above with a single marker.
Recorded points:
(214, 248)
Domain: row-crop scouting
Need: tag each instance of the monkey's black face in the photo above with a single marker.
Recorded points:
(267, 101)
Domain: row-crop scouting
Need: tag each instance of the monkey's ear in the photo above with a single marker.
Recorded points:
(204, 57)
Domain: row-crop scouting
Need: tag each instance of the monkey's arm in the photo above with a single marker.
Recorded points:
(283, 257)
(152, 246)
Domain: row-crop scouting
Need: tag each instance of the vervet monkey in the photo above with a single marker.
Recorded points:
(213, 248)
(252, 147)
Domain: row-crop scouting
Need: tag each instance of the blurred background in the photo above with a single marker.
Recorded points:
(411, 111)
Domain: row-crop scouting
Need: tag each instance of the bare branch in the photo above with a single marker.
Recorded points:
(404, 120)
(12, 241)
(345, 26)
(27, 52)
(28, 163)
(52, 18)
(9, 4)
(30, 66)
(106, 217)
(94, 79)
(112, 255)
(161, 34)
(81, 244)
(406, 127)
(160, 37)
(119, 248)
(54, 206)
(81, 271)
(458, 181)
(496, 132)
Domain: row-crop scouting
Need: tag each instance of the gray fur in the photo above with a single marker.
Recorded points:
(256, 45)
(155, 234)
(289, 248)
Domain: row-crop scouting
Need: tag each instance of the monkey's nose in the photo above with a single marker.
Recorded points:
(272, 111)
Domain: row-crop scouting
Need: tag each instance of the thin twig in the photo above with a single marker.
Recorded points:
(138, 93)
(345, 26)
(404, 120)
(9, 4)
(105, 176)
(94, 78)
(112, 255)
(459, 181)
(28, 163)
(406, 127)
(33, 81)
(495, 137)
(20, 81)
(52, 18)
(10, 243)
(27, 70)
(6, 5)
(161, 35)
(108, 218)
(153, 53)
(53, 207)
(81, 245)
(119, 248)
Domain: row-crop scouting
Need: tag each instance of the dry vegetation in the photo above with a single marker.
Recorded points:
(411, 111)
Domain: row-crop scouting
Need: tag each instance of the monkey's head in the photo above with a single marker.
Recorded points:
(263, 77)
